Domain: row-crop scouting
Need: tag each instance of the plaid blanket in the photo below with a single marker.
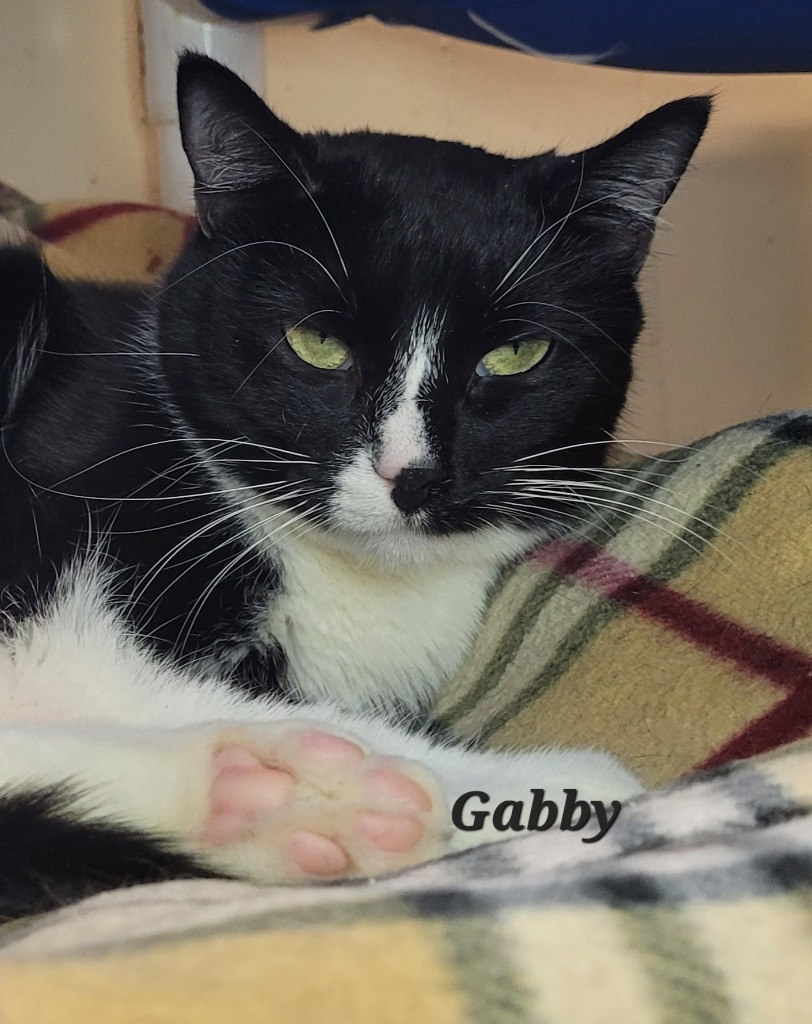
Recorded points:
(673, 630)
(696, 908)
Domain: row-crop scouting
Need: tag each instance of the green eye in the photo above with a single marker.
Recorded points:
(518, 357)
(319, 349)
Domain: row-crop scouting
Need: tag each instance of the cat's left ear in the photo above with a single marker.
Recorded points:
(234, 143)
(620, 186)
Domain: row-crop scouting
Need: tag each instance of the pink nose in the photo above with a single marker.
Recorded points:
(389, 470)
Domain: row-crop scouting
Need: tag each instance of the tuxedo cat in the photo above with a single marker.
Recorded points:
(251, 517)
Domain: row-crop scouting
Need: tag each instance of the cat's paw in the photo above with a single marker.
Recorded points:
(291, 804)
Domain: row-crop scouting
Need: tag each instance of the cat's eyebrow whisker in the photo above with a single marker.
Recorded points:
(619, 194)
(505, 280)
(306, 191)
(550, 330)
(249, 245)
(515, 265)
(571, 312)
(276, 345)
(562, 222)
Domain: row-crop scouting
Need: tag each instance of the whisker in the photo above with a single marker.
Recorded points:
(633, 512)
(548, 517)
(308, 193)
(608, 441)
(563, 222)
(248, 245)
(621, 194)
(276, 346)
(564, 338)
(572, 312)
(577, 486)
(199, 604)
(53, 489)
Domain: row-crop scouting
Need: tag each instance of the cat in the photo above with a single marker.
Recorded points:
(251, 517)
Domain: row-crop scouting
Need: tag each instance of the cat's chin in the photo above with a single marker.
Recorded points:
(407, 547)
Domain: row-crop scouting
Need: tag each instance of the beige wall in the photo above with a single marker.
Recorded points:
(728, 290)
(71, 114)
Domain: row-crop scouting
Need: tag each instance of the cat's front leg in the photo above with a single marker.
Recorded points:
(278, 802)
(84, 808)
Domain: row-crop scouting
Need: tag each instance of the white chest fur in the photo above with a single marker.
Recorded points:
(363, 637)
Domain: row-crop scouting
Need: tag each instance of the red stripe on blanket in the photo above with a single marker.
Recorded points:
(66, 224)
(790, 720)
(755, 653)
(752, 652)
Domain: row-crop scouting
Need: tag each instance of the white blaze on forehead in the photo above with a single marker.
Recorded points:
(403, 434)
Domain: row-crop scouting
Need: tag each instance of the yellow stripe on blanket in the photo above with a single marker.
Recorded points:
(646, 695)
(758, 571)
(357, 973)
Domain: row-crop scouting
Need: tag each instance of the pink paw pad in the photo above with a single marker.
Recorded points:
(391, 833)
(243, 788)
(317, 855)
(394, 786)
(316, 805)
(323, 746)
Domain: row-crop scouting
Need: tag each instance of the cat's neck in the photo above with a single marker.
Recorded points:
(364, 635)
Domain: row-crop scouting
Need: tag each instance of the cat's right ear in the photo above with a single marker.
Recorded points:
(233, 142)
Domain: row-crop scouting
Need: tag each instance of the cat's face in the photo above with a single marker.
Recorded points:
(389, 333)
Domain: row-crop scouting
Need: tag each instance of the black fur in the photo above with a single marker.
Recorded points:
(49, 858)
(101, 389)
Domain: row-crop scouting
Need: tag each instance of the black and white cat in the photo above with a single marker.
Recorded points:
(250, 519)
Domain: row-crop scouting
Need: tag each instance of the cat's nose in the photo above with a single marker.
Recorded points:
(414, 487)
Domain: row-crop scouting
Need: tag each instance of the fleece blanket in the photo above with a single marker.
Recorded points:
(695, 909)
(674, 630)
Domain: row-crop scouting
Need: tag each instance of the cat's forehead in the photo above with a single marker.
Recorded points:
(393, 155)
(440, 183)
(425, 227)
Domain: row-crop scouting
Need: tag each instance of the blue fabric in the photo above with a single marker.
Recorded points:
(682, 35)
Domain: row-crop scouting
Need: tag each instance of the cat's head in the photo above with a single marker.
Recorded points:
(408, 346)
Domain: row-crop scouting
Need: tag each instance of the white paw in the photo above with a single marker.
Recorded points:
(291, 804)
